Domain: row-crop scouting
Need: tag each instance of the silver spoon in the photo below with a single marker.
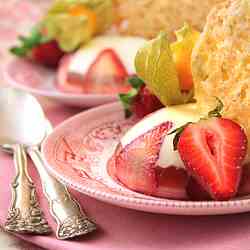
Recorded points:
(24, 215)
(71, 221)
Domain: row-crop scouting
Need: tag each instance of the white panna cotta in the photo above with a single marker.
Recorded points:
(125, 47)
(178, 115)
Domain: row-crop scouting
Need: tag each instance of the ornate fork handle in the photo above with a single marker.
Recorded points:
(24, 215)
(71, 221)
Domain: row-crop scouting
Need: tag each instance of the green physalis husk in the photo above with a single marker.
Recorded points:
(155, 66)
(73, 31)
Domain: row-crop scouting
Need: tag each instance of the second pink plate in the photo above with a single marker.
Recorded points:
(40, 81)
(78, 151)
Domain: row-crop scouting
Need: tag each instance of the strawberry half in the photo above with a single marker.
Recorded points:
(213, 150)
(108, 69)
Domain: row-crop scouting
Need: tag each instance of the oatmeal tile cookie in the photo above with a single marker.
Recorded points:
(221, 61)
(147, 17)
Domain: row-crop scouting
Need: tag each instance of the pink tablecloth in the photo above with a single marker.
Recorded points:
(119, 228)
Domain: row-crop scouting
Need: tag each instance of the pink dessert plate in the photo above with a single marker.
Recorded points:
(40, 81)
(78, 153)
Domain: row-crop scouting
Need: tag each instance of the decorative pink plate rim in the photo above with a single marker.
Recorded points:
(144, 203)
(51, 94)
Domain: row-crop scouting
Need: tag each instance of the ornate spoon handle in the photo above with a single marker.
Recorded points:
(71, 221)
(24, 215)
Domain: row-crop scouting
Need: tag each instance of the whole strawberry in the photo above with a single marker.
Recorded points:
(48, 54)
(139, 101)
(39, 49)
(145, 103)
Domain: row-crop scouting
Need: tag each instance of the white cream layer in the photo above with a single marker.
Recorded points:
(178, 115)
(126, 48)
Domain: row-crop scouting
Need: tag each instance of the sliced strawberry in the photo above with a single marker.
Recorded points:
(48, 54)
(108, 70)
(111, 164)
(244, 188)
(212, 151)
(196, 192)
(145, 103)
(136, 162)
(172, 182)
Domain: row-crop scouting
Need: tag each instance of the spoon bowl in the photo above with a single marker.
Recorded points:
(22, 118)
(19, 114)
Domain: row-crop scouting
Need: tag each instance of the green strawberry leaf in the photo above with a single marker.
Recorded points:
(178, 132)
(128, 98)
(135, 82)
(127, 101)
(26, 43)
(18, 51)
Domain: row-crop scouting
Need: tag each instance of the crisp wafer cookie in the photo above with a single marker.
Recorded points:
(221, 61)
(147, 17)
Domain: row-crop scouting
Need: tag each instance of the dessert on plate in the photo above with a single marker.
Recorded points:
(101, 66)
(73, 38)
(92, 43)
(197, 146)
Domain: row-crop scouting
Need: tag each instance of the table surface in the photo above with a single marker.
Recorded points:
(13, 23)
